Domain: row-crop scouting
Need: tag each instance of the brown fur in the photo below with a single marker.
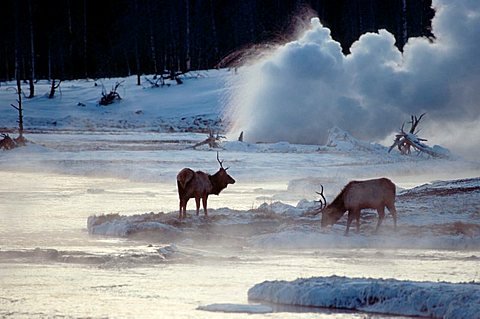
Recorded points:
(357, 195)
(199, 185)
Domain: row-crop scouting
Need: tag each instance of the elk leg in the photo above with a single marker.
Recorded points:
(357, 218)
(197, 202)
(183, 208)
(349, 221)
(204, 201)
(393, 211)
(381, 216)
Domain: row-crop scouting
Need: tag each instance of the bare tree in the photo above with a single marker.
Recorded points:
(53, 88)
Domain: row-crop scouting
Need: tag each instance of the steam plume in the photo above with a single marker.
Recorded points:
(302, 88)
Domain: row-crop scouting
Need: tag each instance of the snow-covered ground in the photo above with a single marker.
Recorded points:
(190, 106)
(96, 190)
(441, 215)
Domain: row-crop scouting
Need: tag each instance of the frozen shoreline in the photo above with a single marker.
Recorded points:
(388, 296)
(430, 218)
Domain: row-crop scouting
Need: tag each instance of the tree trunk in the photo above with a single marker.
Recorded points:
(32, 52)
(49, 60)
(20, 110)
(187, 35)
(214, 30)
(137, 56)
(85, 38)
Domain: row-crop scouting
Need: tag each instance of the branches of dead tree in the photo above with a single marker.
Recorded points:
(406, 141)
(8, 143)
(112, 96)
(212, 140)
(155, 81)
(414, 122)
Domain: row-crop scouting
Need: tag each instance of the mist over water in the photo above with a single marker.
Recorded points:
(303, 88)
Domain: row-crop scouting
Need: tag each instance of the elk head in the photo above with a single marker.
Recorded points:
(330, 214)
(221, 179)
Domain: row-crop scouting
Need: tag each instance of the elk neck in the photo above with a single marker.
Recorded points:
(338, 203)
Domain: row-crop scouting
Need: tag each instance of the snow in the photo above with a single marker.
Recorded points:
(438, 215)
(236, 308)
(147, 137)
(387, 296)
(144, 108)
(125, 226)
(142, 141)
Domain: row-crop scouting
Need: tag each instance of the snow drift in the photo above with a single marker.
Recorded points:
(389, 296)
(300, 90)
(432, 216)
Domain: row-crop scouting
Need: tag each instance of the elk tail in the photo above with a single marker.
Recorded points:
(184, 177)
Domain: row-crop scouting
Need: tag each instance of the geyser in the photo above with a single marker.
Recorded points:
(299, 90)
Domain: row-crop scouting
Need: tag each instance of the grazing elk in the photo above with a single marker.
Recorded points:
(199, 185)
(357, 195)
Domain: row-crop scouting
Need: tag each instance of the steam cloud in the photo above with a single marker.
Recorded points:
(303, 88)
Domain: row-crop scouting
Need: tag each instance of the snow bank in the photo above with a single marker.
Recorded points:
(342, 140)
(409, 298)
(112, 258)
(440, 215)
(236, 308)
(338, 140)
(123, 226)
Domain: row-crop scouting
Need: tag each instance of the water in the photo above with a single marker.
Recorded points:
(51, 267)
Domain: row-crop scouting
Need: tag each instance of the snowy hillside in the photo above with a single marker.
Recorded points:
(192, 106)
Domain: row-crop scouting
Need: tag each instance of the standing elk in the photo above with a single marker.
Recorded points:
(199, 185)
(357, 195)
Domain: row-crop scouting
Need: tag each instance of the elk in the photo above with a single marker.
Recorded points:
(199, 185)
(357, 195)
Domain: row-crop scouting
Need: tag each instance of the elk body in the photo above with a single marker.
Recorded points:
(199, 185)
(357, 195)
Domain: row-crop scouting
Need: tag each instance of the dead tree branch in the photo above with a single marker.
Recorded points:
(7, 143)
(406, 141)
(212, 140)
(112, 96)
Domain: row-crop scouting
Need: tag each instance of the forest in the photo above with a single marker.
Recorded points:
(70, 39)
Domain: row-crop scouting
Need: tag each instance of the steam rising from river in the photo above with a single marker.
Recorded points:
(302, 88)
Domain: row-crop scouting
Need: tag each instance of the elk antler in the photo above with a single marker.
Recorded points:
(221, 162)
(324, 202)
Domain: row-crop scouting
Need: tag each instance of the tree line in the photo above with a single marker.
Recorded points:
(69, 39)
